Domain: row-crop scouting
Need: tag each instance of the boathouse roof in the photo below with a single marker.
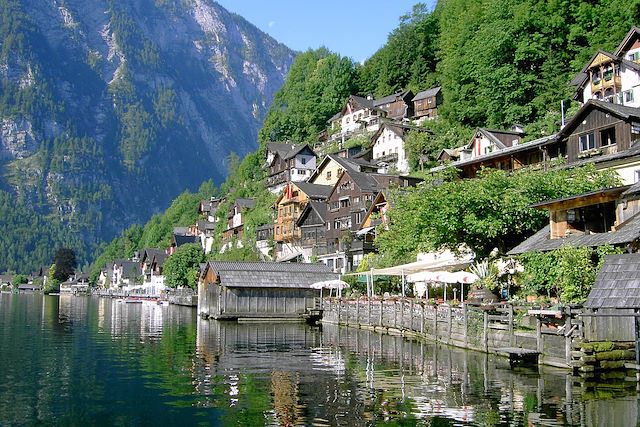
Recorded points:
(617, 284)
(269, 274)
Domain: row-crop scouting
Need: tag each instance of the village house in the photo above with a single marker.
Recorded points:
(612, 77)
(288, 209)
(124, 273)
(347, 205)
(264, 241)
(358, 115)
(151, 264)
(273, 290)
(398, 106)
(235, 223)
(606, 135)
(178, 239)
(388, 151)
(425, 104)
(208, 209)
(313, 225)
(609, 216)
(288, 163)
(330, 168)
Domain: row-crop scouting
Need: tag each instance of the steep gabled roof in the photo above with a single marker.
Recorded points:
(633, 33)
(620, 111)
(617, 284)
(426, 93)
(319, 207)
(180, 240)
(392, 98)
(353, 164)
(159, 259)
(149, 253)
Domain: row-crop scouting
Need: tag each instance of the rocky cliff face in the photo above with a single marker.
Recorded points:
(109, 109)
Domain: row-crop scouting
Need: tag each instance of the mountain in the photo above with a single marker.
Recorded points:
(110, 109)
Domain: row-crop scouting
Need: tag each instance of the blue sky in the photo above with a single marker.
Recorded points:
(355, 28)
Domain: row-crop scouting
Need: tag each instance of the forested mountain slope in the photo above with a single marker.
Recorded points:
(110, 109)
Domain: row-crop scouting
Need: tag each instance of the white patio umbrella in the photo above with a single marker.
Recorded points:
(339, 285)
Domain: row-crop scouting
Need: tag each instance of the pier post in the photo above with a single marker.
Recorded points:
(449, 324)
(358, 312)
(511, 329)
(465, 310)
(539, 343)
(381, 308)
(567, 334)
(435, 322)
(485, 332)
(422, 322)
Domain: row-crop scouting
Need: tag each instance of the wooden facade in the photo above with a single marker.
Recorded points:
(233, 290)
(425, 103)
(313, 224)
(600, 128)
(398, 106)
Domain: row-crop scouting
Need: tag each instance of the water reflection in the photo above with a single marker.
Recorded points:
(83, 360)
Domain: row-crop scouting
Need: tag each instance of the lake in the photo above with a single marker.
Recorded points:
(68, 360)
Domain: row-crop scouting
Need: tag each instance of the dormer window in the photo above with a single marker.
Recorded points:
(608, 73)
(587, 142)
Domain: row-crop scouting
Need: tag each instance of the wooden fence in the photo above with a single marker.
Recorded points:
(487, 329)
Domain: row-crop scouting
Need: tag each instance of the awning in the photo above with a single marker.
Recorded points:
(364, 231)
(436, 261)
(289, 257)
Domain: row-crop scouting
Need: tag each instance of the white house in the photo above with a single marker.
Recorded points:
(612, 77)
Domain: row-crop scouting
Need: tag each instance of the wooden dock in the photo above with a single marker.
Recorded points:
(519, 355)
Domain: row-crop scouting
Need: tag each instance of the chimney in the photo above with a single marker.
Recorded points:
(370, 97)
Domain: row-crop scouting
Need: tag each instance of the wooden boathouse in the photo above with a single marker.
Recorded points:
(260, 290)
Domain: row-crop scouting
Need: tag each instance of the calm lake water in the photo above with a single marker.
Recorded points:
(90, 361)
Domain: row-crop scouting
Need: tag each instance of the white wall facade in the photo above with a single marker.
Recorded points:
(388, 142)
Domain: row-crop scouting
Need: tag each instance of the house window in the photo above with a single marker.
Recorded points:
(587, 142)
(303, 160)
(429, 101)
(628, 95)
(636, 177)
(344, 203)
(328, 174)
(608, 136)
(328, 226)
(358, 217)
(635, 56)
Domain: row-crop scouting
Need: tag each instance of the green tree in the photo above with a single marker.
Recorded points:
(52, 284)
(65, 264)
(568, 272)
(318, 84)
(492, 211)
(182, 267)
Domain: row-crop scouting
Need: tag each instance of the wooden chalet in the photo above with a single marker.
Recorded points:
(348, 202)
(425, 103)
(268, 290)
(290, 204)
(397, 106)
(329, 170)
(604, 134)
(288, 163)
(235, 222)
(609, 216)
(612, 77)
(313, 225)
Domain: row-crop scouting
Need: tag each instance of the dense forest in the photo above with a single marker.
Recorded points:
(499, 62)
